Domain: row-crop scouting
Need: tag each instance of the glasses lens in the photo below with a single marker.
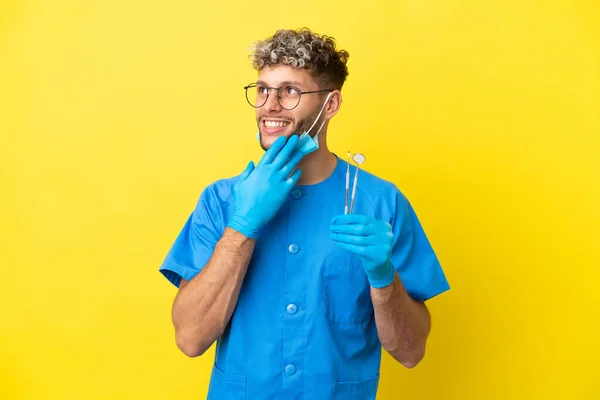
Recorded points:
(289, 97)
(256, 95)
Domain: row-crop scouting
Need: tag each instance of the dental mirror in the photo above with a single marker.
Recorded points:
(358, 158)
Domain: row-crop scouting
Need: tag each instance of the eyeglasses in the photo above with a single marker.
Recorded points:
(287, 96)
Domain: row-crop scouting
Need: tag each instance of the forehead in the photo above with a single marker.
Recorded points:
(279, 74)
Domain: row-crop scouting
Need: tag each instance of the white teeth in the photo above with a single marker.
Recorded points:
(276, 124)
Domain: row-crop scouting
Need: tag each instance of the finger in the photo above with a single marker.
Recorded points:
(291, 164)
(292, 180)
(272, 151)
(355, 229)
(351, 219)
(359, 250)
(247, 171)
(284, 155)
(353, 239)
(381, 227)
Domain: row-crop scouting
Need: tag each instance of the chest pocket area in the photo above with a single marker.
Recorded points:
(225, 386)
(347, 297)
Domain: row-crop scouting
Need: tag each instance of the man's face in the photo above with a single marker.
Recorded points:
(273, 120)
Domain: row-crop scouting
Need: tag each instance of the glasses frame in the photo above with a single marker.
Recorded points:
(251, 85)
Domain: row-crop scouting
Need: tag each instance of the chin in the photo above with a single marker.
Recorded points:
(267, 139)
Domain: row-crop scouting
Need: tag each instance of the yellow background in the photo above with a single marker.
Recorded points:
(115, 114)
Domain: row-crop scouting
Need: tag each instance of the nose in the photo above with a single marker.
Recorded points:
(272, 103)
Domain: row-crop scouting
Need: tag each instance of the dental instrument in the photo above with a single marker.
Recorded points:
(358, 159)
(347, 184)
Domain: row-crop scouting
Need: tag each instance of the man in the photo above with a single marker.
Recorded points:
(299, 295)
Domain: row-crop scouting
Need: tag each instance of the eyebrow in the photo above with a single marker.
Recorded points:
(292, 83)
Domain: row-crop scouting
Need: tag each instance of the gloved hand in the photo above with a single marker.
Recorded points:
(260, 192)
(369, 238)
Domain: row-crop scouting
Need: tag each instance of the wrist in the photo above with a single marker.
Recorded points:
(243, 226)
(236, 238)
(382, 276)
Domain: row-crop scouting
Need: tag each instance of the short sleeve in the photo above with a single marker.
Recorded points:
(412, 254)
(195, 243)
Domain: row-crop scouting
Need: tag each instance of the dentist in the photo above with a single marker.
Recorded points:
(300, 298)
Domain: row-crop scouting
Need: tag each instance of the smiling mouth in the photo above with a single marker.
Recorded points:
(273, 124)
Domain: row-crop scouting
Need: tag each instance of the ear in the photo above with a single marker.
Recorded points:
(333, 105)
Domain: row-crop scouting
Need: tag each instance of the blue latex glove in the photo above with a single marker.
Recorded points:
(369, 238)
(260, 191)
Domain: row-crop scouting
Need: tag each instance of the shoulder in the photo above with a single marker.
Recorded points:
(217, 194)
(383, 195)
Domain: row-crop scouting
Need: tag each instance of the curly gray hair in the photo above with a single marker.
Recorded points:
(303, 49)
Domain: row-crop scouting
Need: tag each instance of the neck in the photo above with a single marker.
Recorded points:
(318, 165)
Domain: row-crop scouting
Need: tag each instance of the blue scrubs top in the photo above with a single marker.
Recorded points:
(304, 324)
